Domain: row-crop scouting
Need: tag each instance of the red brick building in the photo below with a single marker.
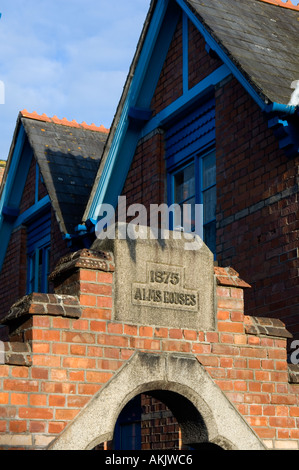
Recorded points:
(208, 117)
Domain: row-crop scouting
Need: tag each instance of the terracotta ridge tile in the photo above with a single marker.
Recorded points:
(93, 127)
(63, 121)
(35, 116)
(288, 4)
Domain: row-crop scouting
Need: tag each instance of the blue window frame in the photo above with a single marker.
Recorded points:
(194, 182)
(127, 432)
(38, 253)
(191, 166)
(38, 270)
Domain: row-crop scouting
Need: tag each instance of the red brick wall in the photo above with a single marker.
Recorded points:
(201, 64)
(13, 273)
(172, 72)
(159, 428)
(145, 183)
(28, 198)
(72, 359)
(257, 208)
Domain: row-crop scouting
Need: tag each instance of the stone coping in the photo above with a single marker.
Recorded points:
(43, 304)
(293, 370)
(87, 259)
(17, 354)
(266, 326)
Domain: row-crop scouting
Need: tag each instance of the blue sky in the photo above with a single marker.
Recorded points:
(68, 58)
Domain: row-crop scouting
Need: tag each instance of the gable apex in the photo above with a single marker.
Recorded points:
(247, 36)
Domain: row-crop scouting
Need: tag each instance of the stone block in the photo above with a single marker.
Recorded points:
(159, 280)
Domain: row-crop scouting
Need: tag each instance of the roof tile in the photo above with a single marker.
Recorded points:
(63, 121)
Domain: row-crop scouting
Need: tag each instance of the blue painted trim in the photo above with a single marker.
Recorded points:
(10, 213)
(139, 114)
(36, 181)
(7, 190)
(140, 93)
(222, 55)
(153, 53)
(285, 130)
(32, 212)
(194, 94)
(138, 117)
(281, 108)
(185, 54)
(19, 165)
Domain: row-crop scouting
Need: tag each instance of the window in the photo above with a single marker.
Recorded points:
(127, 433)
(195, 183)
(38, 253)
(191, 167)
(38, 270)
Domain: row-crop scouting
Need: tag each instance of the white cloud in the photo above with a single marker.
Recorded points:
(294, 101)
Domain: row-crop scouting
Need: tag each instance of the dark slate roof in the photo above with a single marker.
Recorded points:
(260, 38)
(68, 155)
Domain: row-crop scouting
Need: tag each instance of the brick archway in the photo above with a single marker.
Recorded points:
(209, 416)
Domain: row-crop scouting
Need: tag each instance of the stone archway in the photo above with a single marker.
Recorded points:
(203, 411)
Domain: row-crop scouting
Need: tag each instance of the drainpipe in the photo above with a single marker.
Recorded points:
(284, 127)
(282, 108)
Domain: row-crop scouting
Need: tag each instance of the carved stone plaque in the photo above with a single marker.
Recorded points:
(165, 287)
(160, 281)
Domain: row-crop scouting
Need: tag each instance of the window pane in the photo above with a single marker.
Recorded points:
(43, 269)
(209, 201)
(186, 217)
(46, 268)
(40, 270)
(31, 262)
(210, 236)
(184, 184)
(130, 436)
(209, 170)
